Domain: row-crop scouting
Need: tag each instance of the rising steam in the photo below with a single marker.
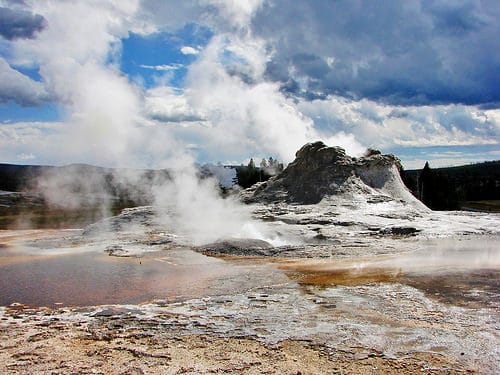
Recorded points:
(113, 122)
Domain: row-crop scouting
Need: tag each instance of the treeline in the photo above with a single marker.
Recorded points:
(247, 175)
(19, 177)
(448, 188)
(127, 187)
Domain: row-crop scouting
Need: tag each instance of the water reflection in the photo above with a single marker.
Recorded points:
(458, 272)
(91, 277)
(464, 272)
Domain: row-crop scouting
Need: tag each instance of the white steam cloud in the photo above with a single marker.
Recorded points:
(106, 122)
(230, 105)
(194, 208)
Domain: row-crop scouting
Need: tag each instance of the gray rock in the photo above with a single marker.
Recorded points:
(319, 171)
(399, 231)
(117, 250)
(137, 216)
(237, 246)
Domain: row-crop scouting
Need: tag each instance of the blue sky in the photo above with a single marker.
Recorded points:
(149, 83)
(149, 57)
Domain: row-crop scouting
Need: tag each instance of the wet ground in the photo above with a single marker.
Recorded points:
(85, 275)
(464, 272)
(458, 272)
(440, 299)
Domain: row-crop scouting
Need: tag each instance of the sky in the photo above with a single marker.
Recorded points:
(148, 84)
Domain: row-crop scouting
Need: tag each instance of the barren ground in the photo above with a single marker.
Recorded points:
(36, 343)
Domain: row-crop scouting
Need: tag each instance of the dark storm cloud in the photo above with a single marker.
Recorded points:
(18, 88)
(19, 24)
(397, 52)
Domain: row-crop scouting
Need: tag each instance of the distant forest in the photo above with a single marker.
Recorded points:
(439, 188)
(82, 179)
(247, 175)
(449, 188)
(19, 177)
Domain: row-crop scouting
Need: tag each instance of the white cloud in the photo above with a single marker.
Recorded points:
(188, 50)
(24, 156)
(164, 67)
(73, 53)
(219, 15)
(104, 122)
(442, 162)
(378, 125)
(253, 117)
(165, 105)
(79, 31)
(237, 13)
(155, 15)
(30, 138)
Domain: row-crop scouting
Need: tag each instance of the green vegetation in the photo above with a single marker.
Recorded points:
(450, 188)
(250, 174)
(484, 206)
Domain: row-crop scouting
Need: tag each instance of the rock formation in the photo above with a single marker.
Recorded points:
(319, 171)
(237, 246)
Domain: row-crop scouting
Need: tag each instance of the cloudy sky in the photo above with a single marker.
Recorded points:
(147, 83)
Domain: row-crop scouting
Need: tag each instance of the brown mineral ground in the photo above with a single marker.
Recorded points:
(30, 345)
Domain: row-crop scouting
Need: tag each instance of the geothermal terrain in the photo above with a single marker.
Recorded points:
(332, 266)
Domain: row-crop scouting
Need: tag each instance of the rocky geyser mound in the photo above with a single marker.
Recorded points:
(319, 171)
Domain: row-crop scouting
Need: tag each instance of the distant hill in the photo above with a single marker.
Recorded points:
(70, 196)
(438, 188)
(19, 177)
(124, 185)
(121, 184)
(448, 188)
